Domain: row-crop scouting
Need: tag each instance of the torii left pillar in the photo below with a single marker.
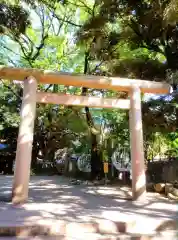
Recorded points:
(24, 142)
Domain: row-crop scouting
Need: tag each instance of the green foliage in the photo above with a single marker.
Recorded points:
(173, 143)
(9, 113)
(133, 24)
(170, 12)
(8, 107)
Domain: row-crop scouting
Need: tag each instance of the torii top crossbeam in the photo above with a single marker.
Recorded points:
(97, 82)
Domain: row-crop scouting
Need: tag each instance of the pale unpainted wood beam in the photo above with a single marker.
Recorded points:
(97, 82)
(75, 100)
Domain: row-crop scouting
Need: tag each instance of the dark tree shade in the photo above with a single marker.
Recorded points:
(140, 68)
(13, 18)
(141, 23)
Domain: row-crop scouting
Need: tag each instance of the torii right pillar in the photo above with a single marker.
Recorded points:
(137, 150)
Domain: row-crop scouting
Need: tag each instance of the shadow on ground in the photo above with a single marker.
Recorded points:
(54, 198)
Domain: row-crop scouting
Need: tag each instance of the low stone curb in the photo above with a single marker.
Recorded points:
(120, 236)
(74, 229)
(64, 228)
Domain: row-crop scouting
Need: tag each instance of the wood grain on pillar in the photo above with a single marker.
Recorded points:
(136, 142)
(24, 142)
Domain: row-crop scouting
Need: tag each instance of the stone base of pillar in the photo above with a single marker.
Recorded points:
(17, 200)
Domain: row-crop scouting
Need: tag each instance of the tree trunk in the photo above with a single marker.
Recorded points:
(175, 86)
(66, 165)
(96, 164)
(173, 65)
(171, 58)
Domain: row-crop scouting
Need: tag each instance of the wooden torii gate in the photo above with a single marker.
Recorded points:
(31, 96)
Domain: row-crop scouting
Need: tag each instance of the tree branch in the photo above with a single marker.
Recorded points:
(24, 50)
(50, 85)
(5, 47)
(28, 41)
(39, 48)
(82, 6)
(66, 20)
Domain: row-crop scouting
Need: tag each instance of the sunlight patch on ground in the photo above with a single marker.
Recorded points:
(110, 191)
(162, 205)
